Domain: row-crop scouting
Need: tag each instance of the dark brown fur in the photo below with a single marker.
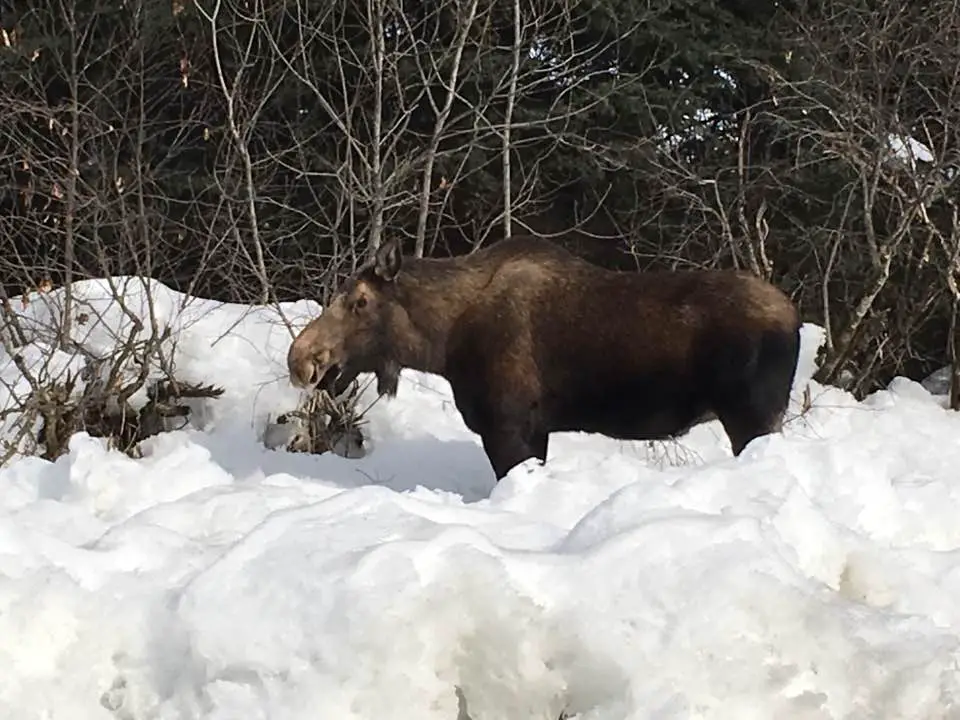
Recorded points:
(534, 340)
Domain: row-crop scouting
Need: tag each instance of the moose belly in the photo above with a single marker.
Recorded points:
(644, 409)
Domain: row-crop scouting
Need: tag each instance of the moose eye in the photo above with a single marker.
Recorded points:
(360, 304)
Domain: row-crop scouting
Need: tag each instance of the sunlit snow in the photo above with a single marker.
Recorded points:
(816, 576)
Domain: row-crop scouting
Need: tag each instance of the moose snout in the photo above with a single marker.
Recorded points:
(306, 368)
(305, 375)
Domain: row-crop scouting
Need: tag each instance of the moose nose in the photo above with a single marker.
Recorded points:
(309, 371)
(303, 369)
(311, 375)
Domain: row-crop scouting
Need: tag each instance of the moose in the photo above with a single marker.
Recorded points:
(534, 339)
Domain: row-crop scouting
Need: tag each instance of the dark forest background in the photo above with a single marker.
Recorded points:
(257, 150)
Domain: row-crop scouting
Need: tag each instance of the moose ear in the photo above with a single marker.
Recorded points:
(387, 262)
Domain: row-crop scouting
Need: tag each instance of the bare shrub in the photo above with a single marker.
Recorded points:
(324, 423)
(85, 376)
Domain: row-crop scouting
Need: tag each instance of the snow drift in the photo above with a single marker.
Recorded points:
(816, 576)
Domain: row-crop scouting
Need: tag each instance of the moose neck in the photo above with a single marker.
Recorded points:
(432, 295)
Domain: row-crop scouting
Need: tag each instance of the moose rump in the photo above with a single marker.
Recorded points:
(535, 340)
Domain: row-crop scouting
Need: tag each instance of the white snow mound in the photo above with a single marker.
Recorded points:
(816, 576)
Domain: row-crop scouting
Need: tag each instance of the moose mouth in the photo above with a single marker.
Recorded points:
(336, 379)
(329, 378)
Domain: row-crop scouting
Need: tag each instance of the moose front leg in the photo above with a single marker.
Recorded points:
(507, 419)
(506, 447)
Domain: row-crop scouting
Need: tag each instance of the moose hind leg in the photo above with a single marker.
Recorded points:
(757, 410)
(758, 406)
(744, 424)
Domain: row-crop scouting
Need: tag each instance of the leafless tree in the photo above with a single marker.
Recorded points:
(90, 192)
(406, 103)
(837, 182)
(873, 94)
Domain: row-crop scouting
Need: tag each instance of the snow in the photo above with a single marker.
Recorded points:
(816, 576)
(909, 150)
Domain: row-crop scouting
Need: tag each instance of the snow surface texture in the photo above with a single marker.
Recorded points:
(816, 576)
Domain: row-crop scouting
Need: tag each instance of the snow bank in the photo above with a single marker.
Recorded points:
(813, 577)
